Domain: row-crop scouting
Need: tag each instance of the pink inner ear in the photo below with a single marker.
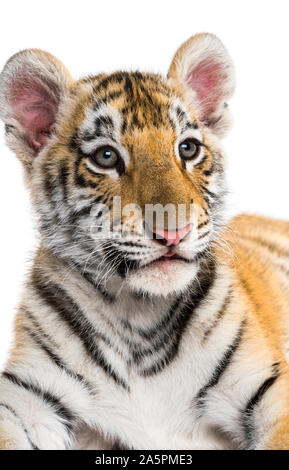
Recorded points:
(35, 108)
(206, 79)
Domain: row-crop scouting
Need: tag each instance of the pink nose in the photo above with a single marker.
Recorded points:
(172, 237)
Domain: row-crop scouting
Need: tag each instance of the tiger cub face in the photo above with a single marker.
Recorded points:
(125, 169)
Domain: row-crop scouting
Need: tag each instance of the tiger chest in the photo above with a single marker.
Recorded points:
(158, 412)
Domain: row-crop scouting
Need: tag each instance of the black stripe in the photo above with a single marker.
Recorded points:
(161, 338)
(219, 316)
(62, 411)
(63, 180)
(50, 184)
(80, 181)
(45, 348)
(8, 128)
(203, 224)
(250, 292)
(107, 98)
(212, 195)
(202, 161)
(85, 182)
(251, 405)
(108, 297)
(68, 311)
(132, 245)
(221, 366)
(209, 172)
(209, 204)
(56, 359)
(146, 94)
(84, 212)
(156, 329)
(103, 127)
(190, 125)
(203, 235)
(128, 87)
(116, 77)
(12, 411)
(181, 114)
(37, 327)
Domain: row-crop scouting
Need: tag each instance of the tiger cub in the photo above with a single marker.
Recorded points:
(133, 331)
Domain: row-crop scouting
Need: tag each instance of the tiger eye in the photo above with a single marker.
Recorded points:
(189, 149)
(105, 157)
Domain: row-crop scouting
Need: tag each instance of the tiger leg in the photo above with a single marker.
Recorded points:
(272, 419)
(40, 410)
(31, 417)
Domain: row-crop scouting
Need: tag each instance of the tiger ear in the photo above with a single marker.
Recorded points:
(204, 70)
(33, 84)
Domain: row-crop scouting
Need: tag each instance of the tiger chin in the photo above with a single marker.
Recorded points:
(147, 320)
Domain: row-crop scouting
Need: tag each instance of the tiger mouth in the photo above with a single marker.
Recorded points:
(171, 258)
(175, 257)
(127, 266)
(166, 259)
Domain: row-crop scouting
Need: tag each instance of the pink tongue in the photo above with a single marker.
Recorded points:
(169, 254)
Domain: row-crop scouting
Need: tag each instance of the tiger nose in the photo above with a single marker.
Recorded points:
(171, 237)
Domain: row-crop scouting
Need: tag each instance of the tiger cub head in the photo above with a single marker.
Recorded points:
(125, 169)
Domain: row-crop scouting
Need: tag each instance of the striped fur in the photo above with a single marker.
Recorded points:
(114, 348)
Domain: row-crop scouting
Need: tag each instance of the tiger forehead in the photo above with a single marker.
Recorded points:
(142, 100)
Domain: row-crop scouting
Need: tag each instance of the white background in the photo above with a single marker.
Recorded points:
(90, 36)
